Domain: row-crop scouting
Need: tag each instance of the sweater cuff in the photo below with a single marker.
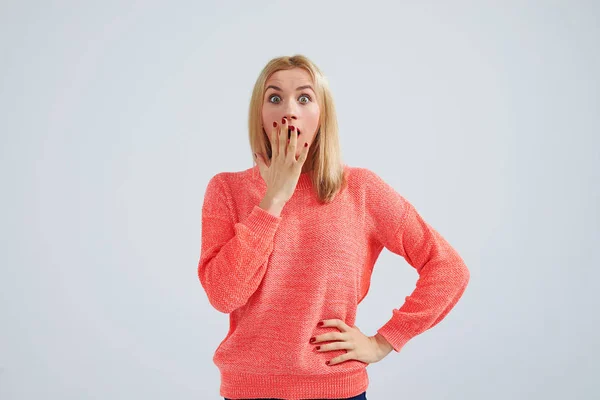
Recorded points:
(395, 333)
(262, 223)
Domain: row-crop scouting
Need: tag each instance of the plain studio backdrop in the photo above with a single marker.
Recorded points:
(115, 114)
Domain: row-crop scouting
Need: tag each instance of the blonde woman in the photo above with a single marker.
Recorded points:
(288, 248)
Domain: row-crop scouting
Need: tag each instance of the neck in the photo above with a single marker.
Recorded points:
(307, 166)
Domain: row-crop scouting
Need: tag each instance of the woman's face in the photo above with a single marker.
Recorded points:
(289, 93)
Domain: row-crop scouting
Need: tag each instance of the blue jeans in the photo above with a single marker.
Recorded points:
(362, 396)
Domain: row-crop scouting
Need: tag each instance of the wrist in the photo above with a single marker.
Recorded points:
(274, 199)
(384, 345)
(271, 205)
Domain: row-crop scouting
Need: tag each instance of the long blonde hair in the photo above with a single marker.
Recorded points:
(327, 168)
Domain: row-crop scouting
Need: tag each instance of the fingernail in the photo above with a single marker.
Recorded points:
(312, 339)
(274, 124)
(305, 144)
(283, 120)
(320, 323)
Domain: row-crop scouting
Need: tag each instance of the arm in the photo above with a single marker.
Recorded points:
(233, 256)
(443, 275)
(443, 278)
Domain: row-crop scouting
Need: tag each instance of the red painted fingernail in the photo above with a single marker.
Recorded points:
(305, 144)
(292, 128)
(274, 124)
(318, 347)
(283, 120)
(327, 363)
(312, 339)
(320, 323)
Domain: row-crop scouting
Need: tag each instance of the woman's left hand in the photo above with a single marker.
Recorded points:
(368, 349)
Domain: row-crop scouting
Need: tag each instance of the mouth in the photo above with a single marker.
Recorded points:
(290, 132)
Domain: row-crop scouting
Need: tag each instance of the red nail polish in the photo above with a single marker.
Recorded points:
(318, 347)
(305, 144)
(312, 339)
(283, 120)
(274, 124)
(327, 363)
(320, 323)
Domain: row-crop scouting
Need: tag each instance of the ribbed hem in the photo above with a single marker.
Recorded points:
(236, 385)
(262, 222)
(397, 335)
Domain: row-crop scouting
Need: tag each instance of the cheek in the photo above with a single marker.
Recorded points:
(268, 116)
(313, 115)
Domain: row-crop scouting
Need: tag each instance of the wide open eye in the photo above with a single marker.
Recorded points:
(271, 97)
(307, 96)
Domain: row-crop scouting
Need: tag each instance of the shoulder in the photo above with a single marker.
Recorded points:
(364, 177)
(232, 179)
(222, 190)
(377, 189)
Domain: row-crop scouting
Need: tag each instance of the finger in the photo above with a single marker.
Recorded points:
(303, 154)
(330, 336)
(339, 359)
(293, 142)
(283, 136)
(340, 324)
(334, 346)
(343, 326)
(272, 135)
(275, 139)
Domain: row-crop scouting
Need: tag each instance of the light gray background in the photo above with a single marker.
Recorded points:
(114, 116)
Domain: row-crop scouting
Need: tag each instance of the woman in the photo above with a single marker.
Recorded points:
(289, 245)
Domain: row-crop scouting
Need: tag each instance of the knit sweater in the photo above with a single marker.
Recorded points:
(278, 276)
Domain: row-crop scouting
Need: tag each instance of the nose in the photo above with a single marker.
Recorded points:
(290, 111)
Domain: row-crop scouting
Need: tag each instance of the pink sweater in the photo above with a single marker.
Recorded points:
(277, 277)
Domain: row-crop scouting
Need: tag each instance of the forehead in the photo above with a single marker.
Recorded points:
(290, 78)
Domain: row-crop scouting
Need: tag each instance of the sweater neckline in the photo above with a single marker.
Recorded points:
(304, 181)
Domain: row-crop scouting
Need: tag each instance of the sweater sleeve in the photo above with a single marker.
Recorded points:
(233, 256)
(443, 275)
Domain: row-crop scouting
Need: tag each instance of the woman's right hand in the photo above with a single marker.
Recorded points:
(283, 171)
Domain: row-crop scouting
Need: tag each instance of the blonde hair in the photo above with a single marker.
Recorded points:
(327, 168)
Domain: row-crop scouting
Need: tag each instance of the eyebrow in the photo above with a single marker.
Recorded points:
(298, 88)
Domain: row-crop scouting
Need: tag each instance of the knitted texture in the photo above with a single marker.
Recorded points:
(278, 277)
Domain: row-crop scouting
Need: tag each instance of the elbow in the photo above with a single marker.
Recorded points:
(219, 298)
(221, 306)
(466, 275)
(225, 304)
